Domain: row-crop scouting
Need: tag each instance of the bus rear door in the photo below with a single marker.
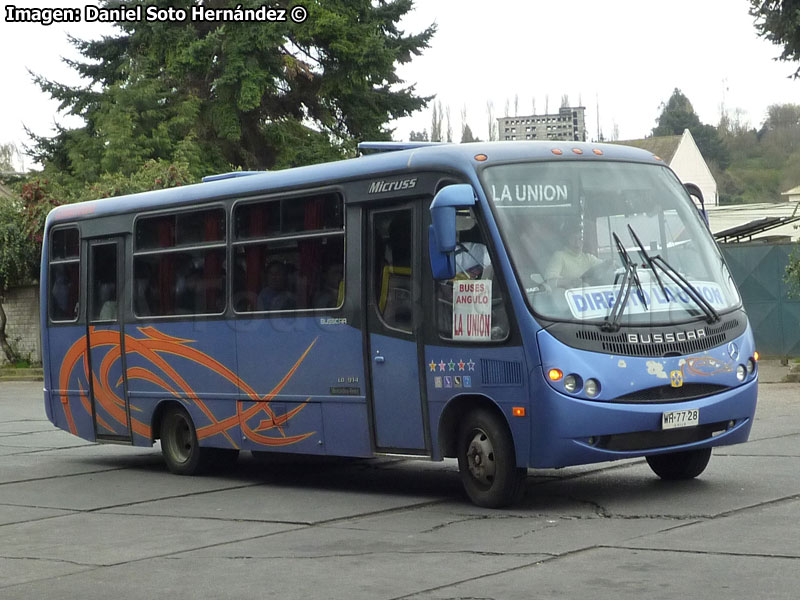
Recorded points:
(108, 385)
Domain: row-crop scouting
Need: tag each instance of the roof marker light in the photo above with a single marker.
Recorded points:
(658, 158)
(557, 151)
(598, 152)
(577, 151)
(480, 157)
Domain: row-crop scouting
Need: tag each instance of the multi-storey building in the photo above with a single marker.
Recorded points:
(567, 124)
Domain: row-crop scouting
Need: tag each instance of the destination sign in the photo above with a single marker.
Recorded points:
(597, 301)
(530, 194)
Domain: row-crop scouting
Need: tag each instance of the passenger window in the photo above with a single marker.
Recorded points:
(64, 275)
(179, 264)
(470, 307)
(393, 279)
(104, 282)
(289, 254)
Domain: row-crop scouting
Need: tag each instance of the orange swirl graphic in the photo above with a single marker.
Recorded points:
(153, 347)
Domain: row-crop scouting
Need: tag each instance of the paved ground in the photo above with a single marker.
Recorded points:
(85, 521)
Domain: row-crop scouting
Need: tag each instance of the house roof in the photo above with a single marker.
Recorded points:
(663, 146)
(791, 192)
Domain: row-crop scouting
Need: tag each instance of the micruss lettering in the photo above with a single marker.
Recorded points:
(378, 187)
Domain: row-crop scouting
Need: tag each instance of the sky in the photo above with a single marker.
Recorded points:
(621, 59)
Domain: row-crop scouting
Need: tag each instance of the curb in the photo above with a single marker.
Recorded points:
(10, 374)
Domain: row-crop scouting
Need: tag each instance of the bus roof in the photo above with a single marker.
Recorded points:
(447, 157)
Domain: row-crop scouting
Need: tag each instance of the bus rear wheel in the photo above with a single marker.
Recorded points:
(680, 465)
(179, 446)
(487, 461)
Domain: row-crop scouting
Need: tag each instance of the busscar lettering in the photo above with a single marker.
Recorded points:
(666, 338)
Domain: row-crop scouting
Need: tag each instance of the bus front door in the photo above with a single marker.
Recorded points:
(108, 385)
(393, 322)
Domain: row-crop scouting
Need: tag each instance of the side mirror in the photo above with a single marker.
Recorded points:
(442, 234)
(693, 190)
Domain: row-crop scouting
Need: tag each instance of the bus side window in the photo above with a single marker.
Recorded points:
(393, 262)
(289, 254)
(64, 274)
(472, 263)
(179, 263)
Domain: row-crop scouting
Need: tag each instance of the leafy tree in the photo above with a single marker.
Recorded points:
(466, 135)
(418, 136)
(436, 122)
(7, 154)
(249, 94)
(18, 260)
(678, 114)
(492, 121)
(779, 22)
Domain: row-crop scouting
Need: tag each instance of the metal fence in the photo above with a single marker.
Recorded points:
(758, 270)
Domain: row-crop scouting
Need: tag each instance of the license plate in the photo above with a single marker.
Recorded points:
(680, 418)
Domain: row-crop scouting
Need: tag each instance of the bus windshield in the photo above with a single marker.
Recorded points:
(573, 229)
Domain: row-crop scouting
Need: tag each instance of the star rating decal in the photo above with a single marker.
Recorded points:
(451, 365)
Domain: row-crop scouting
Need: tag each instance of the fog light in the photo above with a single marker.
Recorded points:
(741, 372)
(751, 365)
(731, 424)
(592, 388)
(571, 383)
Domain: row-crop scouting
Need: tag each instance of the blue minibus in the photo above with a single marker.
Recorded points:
(512, 305)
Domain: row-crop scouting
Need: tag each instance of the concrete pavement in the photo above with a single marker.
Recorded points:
(79, 520)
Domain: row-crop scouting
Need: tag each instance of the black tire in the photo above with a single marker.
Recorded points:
(179, 446)
(487, 461)
(680, 465)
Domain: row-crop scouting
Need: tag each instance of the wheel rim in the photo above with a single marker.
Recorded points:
(182, 439)
(480, 458)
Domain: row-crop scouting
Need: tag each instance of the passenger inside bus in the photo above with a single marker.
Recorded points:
(332, 291)
(276, 295)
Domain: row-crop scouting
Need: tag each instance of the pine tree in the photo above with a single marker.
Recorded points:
(251, 94)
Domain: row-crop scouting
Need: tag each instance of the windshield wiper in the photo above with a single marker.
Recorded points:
(611, 322)
(711, 313)
(629, 278)
(648, 259)
(628, 261)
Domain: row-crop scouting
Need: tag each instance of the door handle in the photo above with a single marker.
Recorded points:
(380, 359)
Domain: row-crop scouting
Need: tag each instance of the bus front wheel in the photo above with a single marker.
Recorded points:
(182, 452)
(487, 462)
(680, 465)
